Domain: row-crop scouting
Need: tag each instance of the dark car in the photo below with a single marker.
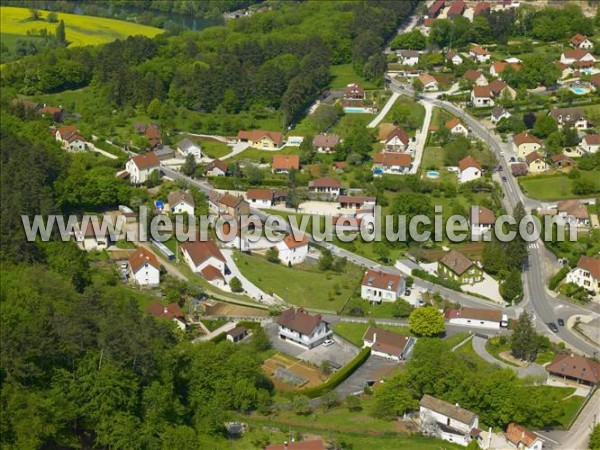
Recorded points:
(553, 327)
(561, 322)
(504, 179)
(407, 292)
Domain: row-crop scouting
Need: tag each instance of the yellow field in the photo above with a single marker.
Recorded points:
(80, 30)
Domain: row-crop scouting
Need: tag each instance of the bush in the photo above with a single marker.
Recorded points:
(450, 284)
(219, 338)
(558, 277)
(339, 376)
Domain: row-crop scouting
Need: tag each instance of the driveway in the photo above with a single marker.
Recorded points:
(250, 289)
(488, 287)
(236, 149)
(372, 370)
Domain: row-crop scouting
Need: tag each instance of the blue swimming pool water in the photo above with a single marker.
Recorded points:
(587, 71)
(356, 110)
(433, 174)
(579, 91)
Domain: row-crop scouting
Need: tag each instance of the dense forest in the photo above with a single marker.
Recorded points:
(276, 59)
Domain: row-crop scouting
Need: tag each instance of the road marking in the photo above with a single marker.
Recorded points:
(532, 246)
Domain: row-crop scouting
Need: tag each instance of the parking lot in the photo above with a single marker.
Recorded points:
(336, 354)
(374, 369)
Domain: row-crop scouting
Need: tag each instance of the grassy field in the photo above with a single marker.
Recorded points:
(302, 285)
(554, 187)
(344, 74)
(210, 148)
(354, 332)
(80, 30)
(262, 156)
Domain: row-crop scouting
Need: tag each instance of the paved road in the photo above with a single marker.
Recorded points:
(251, 289)
(384, 110)
(532, 370)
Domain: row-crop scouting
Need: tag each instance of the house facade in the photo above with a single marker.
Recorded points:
(260, 198)
(216, 168)
(522, 438)
(302, 328)
(479, 54)
(140, 167)
(205, 259)
(536, 163)
(387, 344)
(499, 113)
(525, 143)
(456, 127)
(293, 250)
(590, 143)
(88, 239)
(586, 274)
(70, 139)
(570, 116)
(481, 221)
(397, 140)
(325, 143)
(481, 97)
(573, 212)
(331, 187)
(408, 57)
(469, 170)
(575, 368)
(392, 163)
(379, 287)
(228, 204)
(187, 147)
(144, 268)
(475, 317)
(447, 421)
(581, 41)
(285, 163)
(181, 202)
(456, 266)
(265, 140)
(578, 56)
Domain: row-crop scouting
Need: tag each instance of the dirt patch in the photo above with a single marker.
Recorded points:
(507, 356)
(228, 309)
(289, 374)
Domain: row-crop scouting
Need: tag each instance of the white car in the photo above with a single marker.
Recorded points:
(328, 342)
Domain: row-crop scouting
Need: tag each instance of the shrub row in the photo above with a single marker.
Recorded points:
(219, 338)
(558, 277)
(450, 284)
(249, 324)
(339, 376)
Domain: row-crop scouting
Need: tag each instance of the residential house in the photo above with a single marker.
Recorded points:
(181, 202)
(454, 57)
(408, 57)
(480, 8)
(228, 204)
(429, 82)
(475, 76)
(475, 317)
(573, 212)
(152, 133)
(586, 274)
(481, 97)
(216, 168)
(479, 54)
(456, 266)
(302, 328)
(535, 163)
(69, 138)
(498, 67)
(187, 147)
(378, 287)
(562, 161)
(205, 258)
(354, 91)
(331, 187)
(53, 112)
(469, 170)
(169, 312)
(237, 334)
(447, 421)
(356, 202)
(265, 140)
(581, 41)
(518, 169)
(391, 163)
(525, 143)
(387, 344)
(164, 152)
(481, 220)
(522, 438)
(144, 268)
(499, 113)
(397, 140)
(577, 55)
(285, 163)
(456, 9)
(590, 143)
(94, 236)
(313, 444)
(140, 167)
(570, 116)
(435, 9)
(499, 88)
(324, 143)
(575, 368)
(339, 166)
(456, 127)
(293, 249)
(260, 198)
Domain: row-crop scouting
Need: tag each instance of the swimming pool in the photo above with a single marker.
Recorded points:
(579, 91)
(433, 174)
(357, 110)
(588, 71)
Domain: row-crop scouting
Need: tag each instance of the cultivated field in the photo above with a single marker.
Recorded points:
(288, 373)
(79, 30)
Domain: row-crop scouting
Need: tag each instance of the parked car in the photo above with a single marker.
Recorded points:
(421, 302)
(407, 292)
(553, 327)
(561, 322)
(328, 342)
(504, 179)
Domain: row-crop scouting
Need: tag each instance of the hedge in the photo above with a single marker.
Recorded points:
(219, 338)
(450, 284)
(558, 277)
(249, 324)
(337, 378)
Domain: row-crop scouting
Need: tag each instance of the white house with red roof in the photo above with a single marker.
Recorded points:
(581, 41)
(293, 249)
(260, 198)
(456, 127)
(205, 258)
(522, 438)
(69, 138)
(328, 186)
(479, 54)
(586, 274)
(397, 140)
(525, 143)
(302, 328)
(590, 143)
(482, 97)
(144, 268)
(378, 287)
(469, 170)
(481, 220)
(141, 166)
(579, 56)
(387, 344)
(392, 163)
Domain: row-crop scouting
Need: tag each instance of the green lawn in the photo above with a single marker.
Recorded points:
(495, 351)
(559, 395)
(417, 110)
(555, 187)
(354, 332)
(302, 285)
(262, 156)
(456, 339)
(344, 74)
(212, 149)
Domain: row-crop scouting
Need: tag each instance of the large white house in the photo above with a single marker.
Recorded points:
(475, 317)
(293, 250)
(144, 268)
(581, 41)
(70, 139)
(302, 328)
(140, 167)
(590, 143)
(525, 143)
(387, 344)
(586, 274)
(469, 170)
(447, 421)
(260, 198)
(331, 187)
(181, 202)
(187, 147)
(205, 258)
(577, 55)
(378, 287)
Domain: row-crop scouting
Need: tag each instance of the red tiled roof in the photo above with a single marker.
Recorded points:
(400, 133)
(532, 157)
(385, 341)
(153, 132)
(164, 312)
(299, 320)
(325, 182)
(497, 86)
(392, 159)
(577, 39)
(472, 75)
(500, 66)
(467, 162)
(381, 280)
(482, 91)
(259, 194)
(457, 8)
(456, 261)
(478, 50)
(146, 160)
(526, 138)
(217, 163)
(286, 162)
(592, 265)
(325, 140)
(316, 444)
(517, 434)
(200, 251)
(257, 135)
(354, 89)
(480, 8)
(575, 366)
(292, 242)
(485, 216)
(575, 53)
(436, 7)
(592, 139)
(452, 123)
(211, 273)
(140, 258)
(492, 315)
